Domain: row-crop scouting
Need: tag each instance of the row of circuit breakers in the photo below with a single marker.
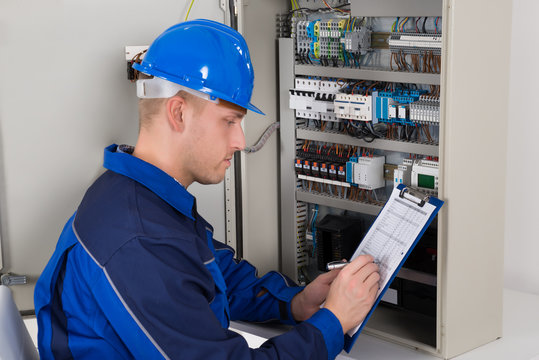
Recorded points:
(367, 172)
(322, 100)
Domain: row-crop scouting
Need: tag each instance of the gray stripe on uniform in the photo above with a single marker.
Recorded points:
(120, 296)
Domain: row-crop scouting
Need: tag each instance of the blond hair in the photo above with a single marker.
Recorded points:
(150, 108)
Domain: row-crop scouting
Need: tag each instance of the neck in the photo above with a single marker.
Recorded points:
(158, 150)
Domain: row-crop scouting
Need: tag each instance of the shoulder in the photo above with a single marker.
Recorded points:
(116, 209)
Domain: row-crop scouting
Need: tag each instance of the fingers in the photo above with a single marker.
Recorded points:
(358, 264)
(372, 282)
(373, 279)
(366, 271)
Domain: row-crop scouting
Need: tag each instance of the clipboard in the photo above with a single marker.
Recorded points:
(402, 199)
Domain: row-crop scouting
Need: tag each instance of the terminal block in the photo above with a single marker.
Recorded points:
(415, 42)
(399, 106)
(426, 110)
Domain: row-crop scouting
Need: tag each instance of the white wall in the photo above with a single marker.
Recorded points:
(522, 199)
(64, 96)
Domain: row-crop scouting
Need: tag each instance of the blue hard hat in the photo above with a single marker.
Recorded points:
(206, 56)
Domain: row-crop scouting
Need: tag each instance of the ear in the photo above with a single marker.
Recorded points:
(175, 108)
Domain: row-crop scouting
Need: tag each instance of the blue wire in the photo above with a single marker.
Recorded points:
(395, 26)
(313, 227)
(312, 58)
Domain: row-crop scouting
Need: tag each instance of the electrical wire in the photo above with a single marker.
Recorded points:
(313, 226)
(310, 11)
(137, 59)
(262, 141)
(395, 24)
(404, 23)
(335, 8)
(189, 10)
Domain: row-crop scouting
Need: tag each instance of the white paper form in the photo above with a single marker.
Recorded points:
(393, 233)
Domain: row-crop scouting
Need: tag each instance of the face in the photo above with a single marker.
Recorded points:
(213, 135)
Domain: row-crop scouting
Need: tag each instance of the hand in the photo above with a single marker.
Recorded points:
(307, 302)
(353, 292)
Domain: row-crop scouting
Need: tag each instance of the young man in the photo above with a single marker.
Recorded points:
(136, 272)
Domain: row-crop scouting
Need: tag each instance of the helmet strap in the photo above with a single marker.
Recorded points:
(155, 88)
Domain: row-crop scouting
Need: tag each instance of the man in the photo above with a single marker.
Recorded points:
(136, 272)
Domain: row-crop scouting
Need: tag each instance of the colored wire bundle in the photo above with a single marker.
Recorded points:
(137, 59)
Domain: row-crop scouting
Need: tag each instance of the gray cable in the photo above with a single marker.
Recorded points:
(262, 141)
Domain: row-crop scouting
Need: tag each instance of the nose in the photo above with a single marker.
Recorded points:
(238, 139)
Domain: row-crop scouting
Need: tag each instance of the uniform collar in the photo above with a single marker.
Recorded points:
(155, 179)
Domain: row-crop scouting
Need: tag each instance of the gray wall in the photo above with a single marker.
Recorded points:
(64, 97)
(522, 199)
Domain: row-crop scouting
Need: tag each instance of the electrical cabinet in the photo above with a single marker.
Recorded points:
(466, 282)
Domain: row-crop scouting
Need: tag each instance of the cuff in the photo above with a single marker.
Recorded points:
(331, 330)
(285, 305)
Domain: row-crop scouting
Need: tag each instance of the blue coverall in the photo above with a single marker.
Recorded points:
(137, 274)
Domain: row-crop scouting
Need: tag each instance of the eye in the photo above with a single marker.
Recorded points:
(230, 122)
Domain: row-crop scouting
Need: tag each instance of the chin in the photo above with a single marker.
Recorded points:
(212, 180)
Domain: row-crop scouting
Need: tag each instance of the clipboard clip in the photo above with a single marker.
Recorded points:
(411, 197)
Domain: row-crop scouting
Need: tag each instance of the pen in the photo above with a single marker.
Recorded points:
(336, 265)
(340, 264)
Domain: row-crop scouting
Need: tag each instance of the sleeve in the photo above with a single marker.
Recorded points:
(165, 290)
(244, 285)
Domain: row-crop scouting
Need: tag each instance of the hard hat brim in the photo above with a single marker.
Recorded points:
(255, 109)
